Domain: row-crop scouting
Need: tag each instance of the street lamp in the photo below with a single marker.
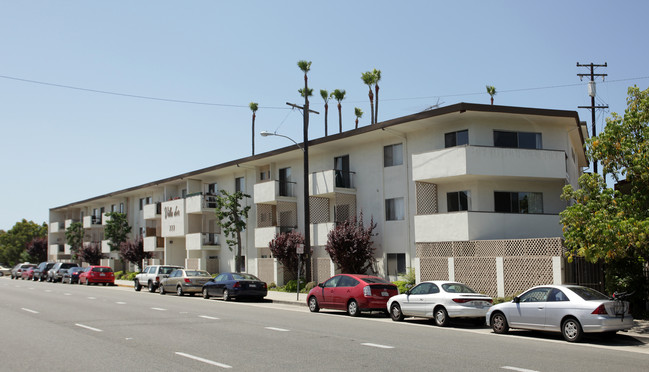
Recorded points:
(307, 217)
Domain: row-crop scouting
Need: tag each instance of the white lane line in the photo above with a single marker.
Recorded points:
(67, 294)
(203, 360)
(277, 329)
(30, 310)
(377, 345)
(120, 303)
(92, 298)
(208, 317)
(87, 327)
(518, 369)
(48, 290)
(158, 309)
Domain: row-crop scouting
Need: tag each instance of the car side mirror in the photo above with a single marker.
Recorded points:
(517, 299)
(321, 285)
(408, 292)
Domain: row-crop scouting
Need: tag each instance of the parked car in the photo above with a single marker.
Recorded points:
(353, 293)
(570, 309)
(16, 272)
(55, 275)
(235, 285)
(40, 273)
(184, 281)
(5, 271)
(97, 275)
(441, 301)
(27, 273)
(151, 276)
(71, 275)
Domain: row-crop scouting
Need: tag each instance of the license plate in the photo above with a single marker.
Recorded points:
(252, 285)
(102, 274)
(384, 294)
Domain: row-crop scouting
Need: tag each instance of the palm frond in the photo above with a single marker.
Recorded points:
(304, 65)
(254, 106)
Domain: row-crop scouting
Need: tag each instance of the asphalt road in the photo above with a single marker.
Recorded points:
(57, 327)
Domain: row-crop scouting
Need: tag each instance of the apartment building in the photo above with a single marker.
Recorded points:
(466, 192)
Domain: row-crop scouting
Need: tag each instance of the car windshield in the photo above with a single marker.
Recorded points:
(197, 273)
(457, 288)
(588, 294)
(167, 270)
(244, 277)
(374, 280)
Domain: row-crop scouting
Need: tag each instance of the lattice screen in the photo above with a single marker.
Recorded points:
(426, 198)
(265, 215)
(321, 269)
(524, 272)
(319, 209)
(266, 269)
(345, 206)
(287, 214)
(433, 268)
(478, 273)
(438, 249)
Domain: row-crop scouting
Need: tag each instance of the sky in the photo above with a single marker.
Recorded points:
(99, 96)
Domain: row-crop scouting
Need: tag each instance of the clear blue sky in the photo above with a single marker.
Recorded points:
(63, 145)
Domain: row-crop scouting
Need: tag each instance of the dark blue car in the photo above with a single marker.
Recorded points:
(235, 285)
(72, 275)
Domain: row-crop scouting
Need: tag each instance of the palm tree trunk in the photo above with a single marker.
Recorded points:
(492, 100)
(376, 115)
(356, 123)
(253, 133)
(326, 114)
(340, 119)
(371, 95)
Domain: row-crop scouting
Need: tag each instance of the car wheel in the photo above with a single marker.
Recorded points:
(205, 294)
(226, 295)
(571, 330)
(395, 312)
(352, 308)
(313, 304)
(441, 317)
(161, 289)
(499, 323)
(87, 282)
(179, 291)
(151, 287)
(137, 286)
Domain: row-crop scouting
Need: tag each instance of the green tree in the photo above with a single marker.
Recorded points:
(284, 249)
(325, 97)
(607, 224)
(339, 95)
(13, 243)
(231, 216)
(309, 90)
(359, 114)
(369, 79)
(491, 90)
(116, 230)
(254, 106)
(350, 245)
(74, 237)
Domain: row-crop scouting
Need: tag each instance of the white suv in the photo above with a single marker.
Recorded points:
(151, 276)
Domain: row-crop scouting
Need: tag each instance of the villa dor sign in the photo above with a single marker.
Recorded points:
(173, 218)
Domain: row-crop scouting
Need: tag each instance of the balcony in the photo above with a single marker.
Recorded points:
(329, 182)
(104, 219)
(474, 162)
(461, 226)
(69, 223)
(56, 249)
(91, 221)
(152, 211)
(153, 243)
(67, 249)
(319, 232)
(56, 227)
(270, 192)
(199, 203)
(105, 248)
(202, 241)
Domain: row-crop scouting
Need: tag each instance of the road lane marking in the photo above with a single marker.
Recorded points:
(30, 310)
(120, 303)
(158, 309)
(48, 290)
(377, 345)
(92, 298)
(208, 317)
(67, 294)
(277, 329)
(518, 369)
(203, 360)
(87, 327)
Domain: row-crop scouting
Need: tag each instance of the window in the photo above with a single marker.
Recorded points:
(343, 174)
(535, 295)
(239, 184)
(556, 295)
(121, 207)
(333, 282)
(458, 138)
(394, 209)
(457, 201)
(518, 202)
(142, 203)
(396, 263)
(424, 288)
(285, 188)
(393, 155)
(113, 208)
(521, 140)
(347, 281)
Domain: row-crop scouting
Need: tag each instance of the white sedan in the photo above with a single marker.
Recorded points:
(570, 309)
(441, 301)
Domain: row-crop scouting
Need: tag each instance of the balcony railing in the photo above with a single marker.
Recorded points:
(210, 239)
(327, 183)
(344, 179)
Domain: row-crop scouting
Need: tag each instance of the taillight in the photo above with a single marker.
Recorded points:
(601, 310)
(265, 285)
(236, 285)
(187, 280)
(367, 291)
(465, 300)
(157, 279)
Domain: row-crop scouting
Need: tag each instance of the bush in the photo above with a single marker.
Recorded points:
(129, 276)
(118, 275)
(309, 286)
(402, 285)
(291, 286)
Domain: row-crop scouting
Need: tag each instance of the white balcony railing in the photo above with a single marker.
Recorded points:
(328, 182)
(201, 241)
(153, 243)
(105, 248)
(272, 191)
(56, 227)
(91, 221)
(152, 211)
(199, 203)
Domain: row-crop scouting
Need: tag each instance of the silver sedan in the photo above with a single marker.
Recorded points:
(183, 281)
(570, 309)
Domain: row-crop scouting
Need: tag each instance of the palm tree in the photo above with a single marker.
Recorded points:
(377, 74)
(339, 95)
(253, 107)
(369, 79)
(325, 96)
(359, 113)
(309, 92)
(491, 90)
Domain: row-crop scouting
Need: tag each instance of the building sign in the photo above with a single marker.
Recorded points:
(173, 218)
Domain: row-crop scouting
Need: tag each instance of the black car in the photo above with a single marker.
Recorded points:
(40, 272)
(235, 285)
(55, 275)
(71, 275)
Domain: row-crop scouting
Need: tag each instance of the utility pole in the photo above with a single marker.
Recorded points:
(592, 92)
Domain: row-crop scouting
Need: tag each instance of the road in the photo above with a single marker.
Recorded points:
(57, 326)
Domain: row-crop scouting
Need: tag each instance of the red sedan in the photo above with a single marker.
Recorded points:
(97, 274)
(353, 293)
(27, 273)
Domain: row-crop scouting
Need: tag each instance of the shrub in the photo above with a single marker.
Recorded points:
(309, 286)
(129, 276)
(402, 285)
(118, 275)
(272, 285)
(291, 286)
